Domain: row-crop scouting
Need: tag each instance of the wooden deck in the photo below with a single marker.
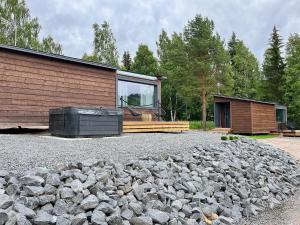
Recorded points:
(154, 126)
(222, 130)
(291, 133)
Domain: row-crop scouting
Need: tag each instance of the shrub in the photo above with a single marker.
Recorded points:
(198, 125)
(224, 138)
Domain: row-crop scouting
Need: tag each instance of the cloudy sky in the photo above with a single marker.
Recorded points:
(141, 21)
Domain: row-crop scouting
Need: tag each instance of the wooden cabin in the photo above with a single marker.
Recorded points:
(247, 116)
(32, 82)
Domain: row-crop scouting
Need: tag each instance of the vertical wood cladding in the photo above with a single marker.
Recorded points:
(30, 85)
(241, 116)
(263, 118)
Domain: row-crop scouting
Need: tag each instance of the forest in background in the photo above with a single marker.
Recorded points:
(197, 62)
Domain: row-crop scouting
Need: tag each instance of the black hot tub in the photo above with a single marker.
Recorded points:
(85, 122)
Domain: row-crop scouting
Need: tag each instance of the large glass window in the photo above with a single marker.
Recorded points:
(136, 94)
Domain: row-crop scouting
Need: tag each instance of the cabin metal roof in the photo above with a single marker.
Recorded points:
(55, 56)
(245, 99)
(136, 75)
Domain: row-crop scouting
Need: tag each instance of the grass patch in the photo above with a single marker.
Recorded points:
(197, 125)
(262, 136)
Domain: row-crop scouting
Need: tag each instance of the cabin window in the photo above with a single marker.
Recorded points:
(136, 94)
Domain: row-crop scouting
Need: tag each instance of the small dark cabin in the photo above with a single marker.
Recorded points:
(248, 116)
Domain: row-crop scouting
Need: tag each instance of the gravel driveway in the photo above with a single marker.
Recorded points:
(288, 144)
(21, 152)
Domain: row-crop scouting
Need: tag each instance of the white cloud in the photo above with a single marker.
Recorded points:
(141, 21)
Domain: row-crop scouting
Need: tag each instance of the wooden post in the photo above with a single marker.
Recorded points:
(121, 99)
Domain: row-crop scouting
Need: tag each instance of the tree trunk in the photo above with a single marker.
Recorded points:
(171, 108)
(203, 97)
(175, 108)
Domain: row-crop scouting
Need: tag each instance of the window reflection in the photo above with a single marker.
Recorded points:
(136, 94)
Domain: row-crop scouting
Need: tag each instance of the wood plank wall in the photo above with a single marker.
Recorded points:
(263, 118)
(241, 120)
(31, 85)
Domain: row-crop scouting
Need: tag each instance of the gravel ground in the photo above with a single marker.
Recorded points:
(21, 152)
(286, 214)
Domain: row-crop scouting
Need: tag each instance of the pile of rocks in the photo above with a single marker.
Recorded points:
(216, 185)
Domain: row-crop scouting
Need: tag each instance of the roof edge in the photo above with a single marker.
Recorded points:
(245, 99)
(56, 56)
(136, 75)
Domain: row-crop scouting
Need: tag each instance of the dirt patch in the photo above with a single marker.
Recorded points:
(290, 145)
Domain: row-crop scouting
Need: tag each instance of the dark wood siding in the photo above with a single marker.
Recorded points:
(240, 112)
(263, 118)
(248, 116)
(31, 85)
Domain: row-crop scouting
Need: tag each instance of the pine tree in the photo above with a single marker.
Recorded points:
(273, 69)
(292, 79)
(127, 62)
(208, 59)
(245, 68)
(144, 61)
(105, 50)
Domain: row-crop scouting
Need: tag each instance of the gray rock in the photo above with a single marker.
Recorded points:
(22, 209)
(76, 186)
(90, 202)
(66, 193)
(115, 220)
(60, 207)
(4, 173)
(61, 220)
(136, 207)
(177, 204)
(158, 216)
(44, 199)
(22, 220)
(3, 215)
(142, 220)
(226, 220)
(127, 214)
(53, 179)
(33, 190)
(32, 180)
(5, 201)
(44, 218)
(98, 217)
(79, 219)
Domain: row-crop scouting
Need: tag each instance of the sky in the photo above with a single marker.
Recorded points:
(141, 21)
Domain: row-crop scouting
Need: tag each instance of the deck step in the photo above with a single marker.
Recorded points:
(291, 133)
(154, 126)
(222, 130)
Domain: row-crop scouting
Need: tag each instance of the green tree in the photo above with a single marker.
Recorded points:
(245, 68)
(177, 88)
(48, 45)
(18, 28)
(144, 61)
(273, 69)
(208, 59)
(105, 50)
(127, 62)
(292, 78)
